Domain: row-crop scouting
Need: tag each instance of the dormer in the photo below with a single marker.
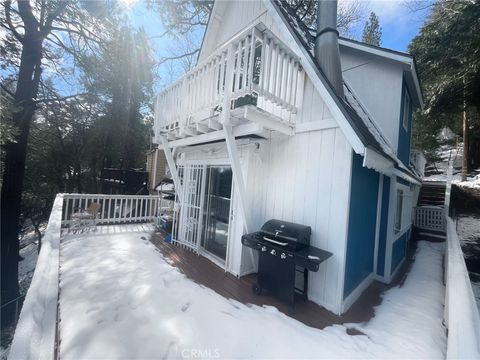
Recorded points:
(386, 83)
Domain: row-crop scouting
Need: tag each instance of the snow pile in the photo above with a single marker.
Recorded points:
(35, 333)
(462, 315)
(446, 153)
(471, 182)
(468, 228)
(119, 298)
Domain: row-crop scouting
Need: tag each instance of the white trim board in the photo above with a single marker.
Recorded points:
(355, 294)
(316, 125)
(312, 72)
(377, 223)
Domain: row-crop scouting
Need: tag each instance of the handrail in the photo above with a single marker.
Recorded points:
(35, 335)
(429, 217)
(113, 208)
(461, 313)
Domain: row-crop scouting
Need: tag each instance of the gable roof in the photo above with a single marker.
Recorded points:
(351, 108)
(357, 125)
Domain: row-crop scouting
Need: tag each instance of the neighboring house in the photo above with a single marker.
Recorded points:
(156, 167)
(262, 128)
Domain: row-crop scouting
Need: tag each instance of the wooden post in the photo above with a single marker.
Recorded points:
(171, 165)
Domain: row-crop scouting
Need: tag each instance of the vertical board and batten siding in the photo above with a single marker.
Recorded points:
(361, 225)
(307, 180)
(382, 97)
(232, 17)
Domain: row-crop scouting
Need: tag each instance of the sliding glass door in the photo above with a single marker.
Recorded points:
(216, 210)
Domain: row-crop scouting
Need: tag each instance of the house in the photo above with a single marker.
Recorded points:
(156, 166)
(277, 121)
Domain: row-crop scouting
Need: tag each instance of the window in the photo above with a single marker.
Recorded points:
(398, 212)
(406, 111)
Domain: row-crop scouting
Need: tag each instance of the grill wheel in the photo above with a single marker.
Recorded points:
(256, 288)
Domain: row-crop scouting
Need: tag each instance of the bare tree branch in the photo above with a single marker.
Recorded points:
(8, 19)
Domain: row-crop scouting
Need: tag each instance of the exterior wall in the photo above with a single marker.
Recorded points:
(306, 180)
(378, 84)
(404, 135)
(231, 17)
(360, 257)
(383, 232)
(156, 173)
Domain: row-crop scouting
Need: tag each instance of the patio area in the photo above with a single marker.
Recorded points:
(204, 272)
(125, 293)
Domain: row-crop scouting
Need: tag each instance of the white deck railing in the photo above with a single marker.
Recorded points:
(256, 63)
(461, 312)
(36, 332)
(430, 218)
(35, 335)
(114, 208)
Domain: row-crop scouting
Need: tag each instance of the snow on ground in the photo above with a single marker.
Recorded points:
(439, 168)
(119, 298)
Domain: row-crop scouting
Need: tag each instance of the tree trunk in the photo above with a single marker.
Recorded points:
(11, 196)
(465, 162)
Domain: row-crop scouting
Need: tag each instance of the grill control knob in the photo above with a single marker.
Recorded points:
(273, 252)
(283, 256)
(264, 248)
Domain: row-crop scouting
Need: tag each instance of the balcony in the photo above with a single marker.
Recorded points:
(254, 75)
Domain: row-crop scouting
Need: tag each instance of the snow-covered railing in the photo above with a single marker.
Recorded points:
(259, 68)
(35, 335)
(113, 208)
(461, 313)
(429, 218)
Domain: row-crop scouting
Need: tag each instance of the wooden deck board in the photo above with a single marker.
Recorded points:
(208, 274)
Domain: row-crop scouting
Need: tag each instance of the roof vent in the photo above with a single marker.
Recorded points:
(327, 53)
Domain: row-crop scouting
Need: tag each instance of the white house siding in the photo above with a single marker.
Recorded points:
(378, 84)
(232, 17)
(306, 180)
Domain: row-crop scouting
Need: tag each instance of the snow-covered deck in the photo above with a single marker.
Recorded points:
(120, 298)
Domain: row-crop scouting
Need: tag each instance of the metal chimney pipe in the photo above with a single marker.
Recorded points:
(327, 52)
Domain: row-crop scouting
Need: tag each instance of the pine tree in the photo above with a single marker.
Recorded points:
(372, 32)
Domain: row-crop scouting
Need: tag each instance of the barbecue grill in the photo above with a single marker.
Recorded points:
(285, 257)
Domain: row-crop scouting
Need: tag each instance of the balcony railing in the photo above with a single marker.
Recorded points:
(254, 68)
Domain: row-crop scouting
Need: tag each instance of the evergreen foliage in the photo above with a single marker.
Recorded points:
(372, 32)
(447, 54)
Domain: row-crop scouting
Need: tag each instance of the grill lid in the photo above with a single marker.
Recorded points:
(283, 230)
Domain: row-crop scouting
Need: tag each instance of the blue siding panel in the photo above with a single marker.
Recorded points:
(399, 250)
(361, 225)
(403, 151)
(382, 241)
